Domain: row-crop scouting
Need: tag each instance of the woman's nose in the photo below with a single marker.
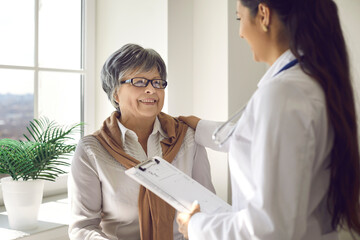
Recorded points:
(149, 89)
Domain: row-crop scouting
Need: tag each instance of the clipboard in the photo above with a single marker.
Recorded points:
(175, 187)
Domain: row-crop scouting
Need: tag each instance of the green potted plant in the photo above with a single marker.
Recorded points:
(30, 162)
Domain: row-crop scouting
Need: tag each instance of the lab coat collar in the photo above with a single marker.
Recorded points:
(284, 59)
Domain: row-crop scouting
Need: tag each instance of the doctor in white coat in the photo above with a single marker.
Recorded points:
(293, 154)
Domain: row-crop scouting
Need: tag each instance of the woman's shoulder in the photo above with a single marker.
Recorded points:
(95, 151)
(188, 143)
(190, 135)
(89, 142)
(90, 146)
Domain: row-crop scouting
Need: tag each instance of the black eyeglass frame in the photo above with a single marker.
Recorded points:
(147, 82)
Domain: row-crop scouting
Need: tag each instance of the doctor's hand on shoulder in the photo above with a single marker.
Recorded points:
(192, 121)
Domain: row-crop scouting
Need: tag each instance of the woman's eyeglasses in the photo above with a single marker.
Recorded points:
(143, 82)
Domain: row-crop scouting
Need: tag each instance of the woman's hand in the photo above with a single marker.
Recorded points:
(183, 219)
(192, 121)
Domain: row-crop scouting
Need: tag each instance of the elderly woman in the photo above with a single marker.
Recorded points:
(105, 203)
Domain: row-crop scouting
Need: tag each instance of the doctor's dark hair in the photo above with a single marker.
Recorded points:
(129, 59)
(314, 30)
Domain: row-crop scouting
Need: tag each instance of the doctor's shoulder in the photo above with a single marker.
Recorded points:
(303, 96)
(304, 83)
(292, 84)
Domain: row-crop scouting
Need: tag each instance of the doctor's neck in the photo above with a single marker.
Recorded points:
(276, 53)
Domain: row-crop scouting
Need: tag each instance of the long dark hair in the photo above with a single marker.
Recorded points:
(314, 30)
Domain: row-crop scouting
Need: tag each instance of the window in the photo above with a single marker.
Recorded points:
(41, 70)
(45, 47)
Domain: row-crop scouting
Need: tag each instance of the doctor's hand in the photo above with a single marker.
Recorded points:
(192, 121)
(183, 218)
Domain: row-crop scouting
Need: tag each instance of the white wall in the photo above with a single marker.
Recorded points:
(350, 19)
(126, 21)
(180, 63)
(210, 59)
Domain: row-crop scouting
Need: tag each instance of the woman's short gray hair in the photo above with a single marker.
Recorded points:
(130, 58)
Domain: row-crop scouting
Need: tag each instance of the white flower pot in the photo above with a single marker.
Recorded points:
(22, 201)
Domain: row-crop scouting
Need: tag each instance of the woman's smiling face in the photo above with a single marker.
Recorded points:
(140, 102)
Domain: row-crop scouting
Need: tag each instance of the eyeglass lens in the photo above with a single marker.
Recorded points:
(143, 82)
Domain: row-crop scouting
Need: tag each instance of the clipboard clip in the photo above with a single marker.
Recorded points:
(142, 166)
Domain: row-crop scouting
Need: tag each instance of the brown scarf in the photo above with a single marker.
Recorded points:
(155, 216)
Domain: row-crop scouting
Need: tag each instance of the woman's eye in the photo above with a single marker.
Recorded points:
(238, 19)
(139, 82)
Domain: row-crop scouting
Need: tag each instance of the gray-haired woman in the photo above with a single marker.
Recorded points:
(105, 203)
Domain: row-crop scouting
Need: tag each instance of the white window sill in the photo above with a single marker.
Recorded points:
(52, 225)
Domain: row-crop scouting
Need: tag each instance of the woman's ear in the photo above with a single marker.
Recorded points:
(115, 96)
(264, 16)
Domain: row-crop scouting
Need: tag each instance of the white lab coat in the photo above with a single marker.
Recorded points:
(278, 161)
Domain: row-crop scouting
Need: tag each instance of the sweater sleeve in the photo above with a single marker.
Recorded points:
(83, 186)
(201, 168)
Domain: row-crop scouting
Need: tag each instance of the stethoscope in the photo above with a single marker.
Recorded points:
(222, 133)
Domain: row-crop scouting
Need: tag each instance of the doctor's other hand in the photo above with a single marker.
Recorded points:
(192, 121)
(183, 218)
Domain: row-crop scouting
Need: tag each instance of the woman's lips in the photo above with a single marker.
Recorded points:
(148, 101)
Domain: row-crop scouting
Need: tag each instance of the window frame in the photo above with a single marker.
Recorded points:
(88, 12)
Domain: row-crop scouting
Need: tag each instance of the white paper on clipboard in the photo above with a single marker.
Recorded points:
(175, 187)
